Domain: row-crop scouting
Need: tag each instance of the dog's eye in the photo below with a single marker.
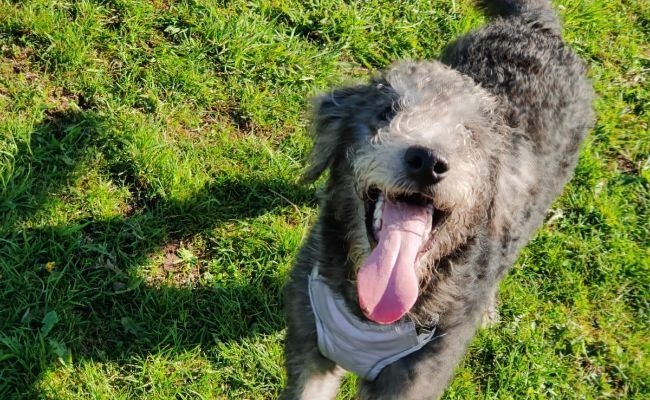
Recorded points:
(387, 113)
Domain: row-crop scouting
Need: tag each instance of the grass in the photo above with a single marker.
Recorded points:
(149, 209)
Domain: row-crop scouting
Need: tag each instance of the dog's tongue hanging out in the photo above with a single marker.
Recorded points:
(387, 283)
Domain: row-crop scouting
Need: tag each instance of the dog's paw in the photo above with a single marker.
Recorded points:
(490, 316)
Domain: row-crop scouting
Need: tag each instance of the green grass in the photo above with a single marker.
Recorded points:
(149, 210)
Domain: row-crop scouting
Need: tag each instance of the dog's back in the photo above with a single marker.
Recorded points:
(545, 98)
(521, 58)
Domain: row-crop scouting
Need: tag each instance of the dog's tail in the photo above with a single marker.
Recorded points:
(538, 14)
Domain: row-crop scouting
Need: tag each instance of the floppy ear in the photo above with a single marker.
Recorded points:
(332, 114)
(329, 112)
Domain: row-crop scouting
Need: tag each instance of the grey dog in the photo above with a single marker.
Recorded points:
(439, 172)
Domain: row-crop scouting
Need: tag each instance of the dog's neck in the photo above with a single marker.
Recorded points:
(432, 308)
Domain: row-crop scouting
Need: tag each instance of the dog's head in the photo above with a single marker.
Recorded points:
(412, 160)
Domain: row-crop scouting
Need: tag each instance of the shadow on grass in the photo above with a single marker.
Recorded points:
(103, 309)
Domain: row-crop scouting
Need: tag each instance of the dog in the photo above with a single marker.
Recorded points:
(439, 173)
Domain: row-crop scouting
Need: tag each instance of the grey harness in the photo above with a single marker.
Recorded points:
(364, 348)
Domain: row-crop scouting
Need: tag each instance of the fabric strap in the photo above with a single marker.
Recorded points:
(362, 347)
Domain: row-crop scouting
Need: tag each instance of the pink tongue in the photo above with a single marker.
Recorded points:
(387, 284)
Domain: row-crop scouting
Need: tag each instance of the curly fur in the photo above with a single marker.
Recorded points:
(507, 106)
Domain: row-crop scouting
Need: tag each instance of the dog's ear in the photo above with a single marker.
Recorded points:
(329, 114)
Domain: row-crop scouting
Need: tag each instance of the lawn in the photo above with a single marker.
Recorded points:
(150, 208)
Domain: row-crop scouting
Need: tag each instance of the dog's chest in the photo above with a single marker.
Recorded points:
(361, 347)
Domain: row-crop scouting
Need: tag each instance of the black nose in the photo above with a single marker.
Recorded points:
(425, 166)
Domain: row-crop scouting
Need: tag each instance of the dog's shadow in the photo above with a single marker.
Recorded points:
(93, 272)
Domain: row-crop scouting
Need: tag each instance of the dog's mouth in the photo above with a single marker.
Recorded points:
(401, 228)
(374, 204)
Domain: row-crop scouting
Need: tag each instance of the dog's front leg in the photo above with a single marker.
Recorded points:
(310, 376)
(426, 373)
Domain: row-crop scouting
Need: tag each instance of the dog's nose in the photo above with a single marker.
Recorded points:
(425, 166)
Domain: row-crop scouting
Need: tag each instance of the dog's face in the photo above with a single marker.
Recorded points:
(412, 158)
